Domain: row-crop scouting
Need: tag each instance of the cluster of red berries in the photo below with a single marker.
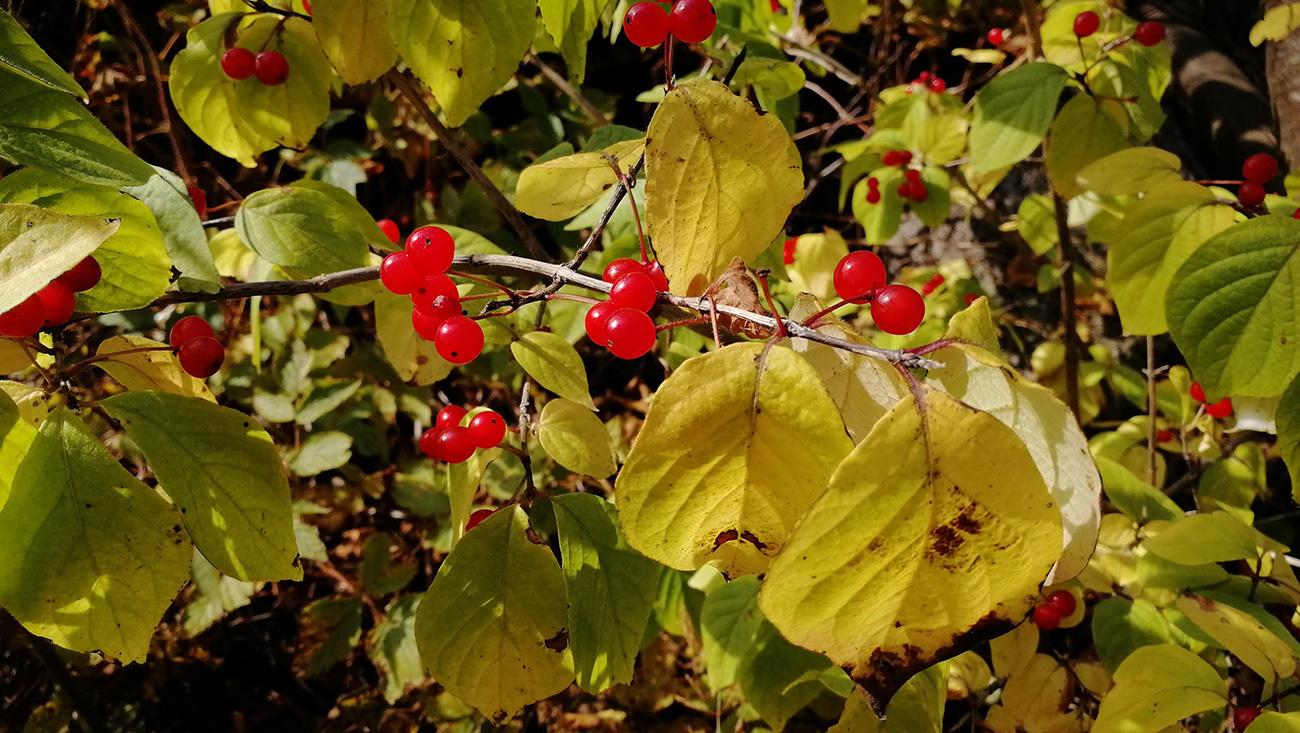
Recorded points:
(1243, 717)
(1087, 23)
(1258, 169)
(926, 81)
(622, 324)
(1219, 410)
(270, 67)
(450, 441)
(420, 271)
(647, 24)
(1060, 604)
(53, 304)
(200, 353)
(860, 277)
(912, 187)
(932, 284)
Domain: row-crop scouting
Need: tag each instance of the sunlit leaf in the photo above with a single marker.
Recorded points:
(555, 364)
(141, 364)
(562, 187)
(357, 36)
(1012, 114)
(1156, 687)
(37, 245)
(576, 438)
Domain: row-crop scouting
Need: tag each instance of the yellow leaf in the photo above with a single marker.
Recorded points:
(721, 182)
(734, 450)
(555, 364)
(815, 258)
(357, 37)
(157, 371)
(34, 405)
(1011, 652)
(935, 534)
(12, 357)
(1038, 693)
(16, 437)
(416, 360)
(576, 439)
(975, 324)
(38, 244)
(1130, 171)
(968, 673)
(918, 707)
(1276, 25)
(1082, 132)
(1156, 687)
(1243, 636)
(289, 113)
(561, 188)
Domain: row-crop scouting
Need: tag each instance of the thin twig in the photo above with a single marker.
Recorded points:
(1030, 10)
(1071, 336)
(569, 91)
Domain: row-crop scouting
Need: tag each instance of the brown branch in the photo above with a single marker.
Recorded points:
(569, 90)
(1029, 9)
(1071, 336)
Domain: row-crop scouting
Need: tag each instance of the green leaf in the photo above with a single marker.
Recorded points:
(329, 630)
(1131, 171)
(880, 220)
(775, 78)
(415, 360)
(815, 257)
(93, 557)
(322, 452)
(611, 590)
(1232, 309)
(217, 595)
(917, 708)
(16, 438)
(1012, 114)
(560, 188)
(134, 260)
(1288, 434)
(1204, 538)
(37, 245)
(156, 371)
(1156, 687)
(380, 576)
(1121, 626)
(729, 622)
(721, 182)
(357, 36)
(20, 53)
(555, 364)
(936, 532)
(571, 24)
(1271, 722)
(463, 50)
(1141, 76)
(391, 646)
(492, 628)
(1139, 500)
(287, 113)
(1247, 639)
(48, 129)
(326, 398)
(187, 243)
(576, 438)
(1083, 132)
(224, 473)
(734, 450)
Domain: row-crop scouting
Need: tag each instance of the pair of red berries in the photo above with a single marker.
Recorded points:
(896, 158)
(1059, 605)
(270, 67)
(932, 284)
(1148, 34)
(647, 24)
(200, 353)
(451, 442)
(1258, 169)
(926, 81)
(860, 278)
(1219, 410)
(622, 323)
(53, 304)
(420, 271)
(1243, 717)
(913, 187)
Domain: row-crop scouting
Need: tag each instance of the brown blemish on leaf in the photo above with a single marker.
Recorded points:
(533, 537)
(948, 538)
(753, 539)
(725, 537)
(559, 642)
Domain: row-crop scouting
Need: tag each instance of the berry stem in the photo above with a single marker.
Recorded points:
(781, 330)
(79, 366)
(628, 185)
(679, 324)
(483, 281)
(668, 62)
(811, 321)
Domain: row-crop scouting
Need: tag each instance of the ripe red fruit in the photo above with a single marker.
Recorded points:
(629, 334)
(857, 274)
(1197, 392)
(202, 357)
(788, 252)
(620, 268)
(306, 4)
(200, 200)
(912, 175)
(390, 230)
(932, 285)
(432, 247)
(477, 518)
(873, 196)
(938, 86)
(1243, 717)
(459, 340)
(400, 273)
(898, 309)
(429, 443)
(1220, 409)
(83, 277)
(23, 320)
(636, 291)
(996, 36)
(1086, 24)
(426, 324)
(434, 287)
(656, 273)
(272, 70)
(596, 320)
(924, 77)
(646, 24)
(454, 444)
(907, 157)
(487, 429)
(970, 298)
(238, 63)
(919, 192)
(1164, 436)
(1149, 33)
(1046, 618)
(1250, 193)
(442, 308)
(1296, 215)
(449, 416)
(187, 329)
(692, 21)
(1260, 168)
(892, 158)
(58, 302)
(1062, 601)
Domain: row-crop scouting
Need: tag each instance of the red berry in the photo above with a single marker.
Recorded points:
(58, 302)
(426, 324)
(906, 157)
(912, 175)
(1250, 193)
(1220, 409)
(636, 291)
(620, 268)
(434, 287)
(454, 444)
(629, 333)
(996, 36)
(924, 77)
(306, 4)
(429, 443)
(897, 309)
(970, 298)
(1296, 214)
(187, 329)
(788, 253)
(1086, 24)
(1062, 601)
(1243, 717)
(400, 273)
(892, 158)
(487, 429)
(449, 417)
(1046, 618)
(1260, 168)
(24, 319)
(443, 307)
(1197, 392)
(656, 273)
(202, 357)
(272, 70)
(646, 24)
(200, 200)
(238, 63)
(459, 340)
(932, 285)
(596, 320)
(1164, 436)
(905, 190)
(692, 21)
(919, 192)
(873, 183)
(857, 274)
(433, 249)
(477, 518)
(938, 86)
(83, 277)
(873, 196)
(1149, 33)
(390, 230)
(775, 5)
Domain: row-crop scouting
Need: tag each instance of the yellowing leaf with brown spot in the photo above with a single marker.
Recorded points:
(1156, 687)
(1244, 636)
(733, 451)
(154, 371)
(357, 37)
(1035, 698)
(721, 182)
(561, 188)
(935, 534)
